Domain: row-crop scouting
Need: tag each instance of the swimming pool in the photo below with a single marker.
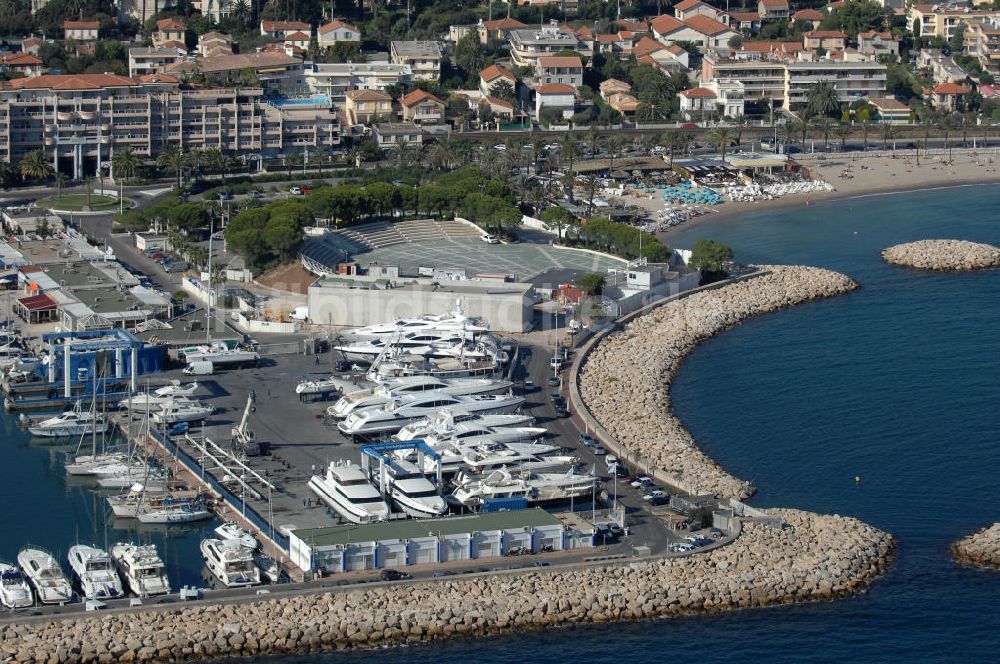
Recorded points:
(315, 100)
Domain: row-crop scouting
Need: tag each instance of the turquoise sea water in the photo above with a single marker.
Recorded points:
(898, 383)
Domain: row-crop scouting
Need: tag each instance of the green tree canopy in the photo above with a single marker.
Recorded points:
(710, 255)
(591, 283)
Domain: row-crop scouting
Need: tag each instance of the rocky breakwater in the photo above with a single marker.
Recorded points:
(794, 556)
(625, 381)
(981, 548)
(943, 255)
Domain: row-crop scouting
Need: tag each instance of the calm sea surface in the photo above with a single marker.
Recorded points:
(897, 383)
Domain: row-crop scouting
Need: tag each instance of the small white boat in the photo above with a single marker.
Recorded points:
(269, 567)
(70, 423)
(46, 577)
(15, 592)
(169, 514)
(347, 490)
(231, 563)
(174, 411)
(142, 568)
(231, 530)
(85, 464)
(152, 400)
(152, 480)
(94, 572)
(322, 385)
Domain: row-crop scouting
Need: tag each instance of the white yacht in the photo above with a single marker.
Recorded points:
(142, 568)
(445, 422)
(399, 387)
(231, 563)
(153, 480)
(114, 468)
(403, 364)
(45, 575)
(148, 401)
(231, 530)
(411, 490)
(85, 464)
(425, 343)
(70, 423)
(484, 458)
(126, 504)
(323, 386)
(94, 572)
(534, 486)
(174, 411)
(15, 593)
(395, 414)
(347, 490)
(184, 512)
(270, 570)
(455, 320)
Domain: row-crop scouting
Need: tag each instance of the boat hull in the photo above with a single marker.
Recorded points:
(321, 488)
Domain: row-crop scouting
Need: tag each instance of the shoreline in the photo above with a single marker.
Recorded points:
(883, 176)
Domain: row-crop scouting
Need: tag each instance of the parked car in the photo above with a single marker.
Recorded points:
(225, 196)
(489, 239)
(561, 411)
(554, 381)
(529, 386)
(394, 575)
(295, 191)
(611, 460)
(599, 451)
(641, 481)
(556, 362)
(587, 439)
(655, 494)
(557, 399)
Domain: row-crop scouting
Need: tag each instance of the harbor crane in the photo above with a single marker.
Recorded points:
(244, 439)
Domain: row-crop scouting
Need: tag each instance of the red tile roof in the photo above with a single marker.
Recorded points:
(81, 25)
(496, 101)
(826, 34)
(158, 78)
(686, 4)
(707, 26)
(889, 104)
(776, 4)
(38, 303)
(646, 46)
(496, 71)
(21, 60)
(560, 61)
(807, 15)
(171, 25)
(665, 24)
(415, 97)
(297, 36)
(950, 89)
(697, 92)
(72, 82)
(504, 24)
(336, 24)
(367, 95)
(555, 89)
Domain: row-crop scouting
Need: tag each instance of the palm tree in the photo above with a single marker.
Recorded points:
(568, 150)
(125, 163)
(822, 99)
(801, 127)
(213, 161)
(946, 123)
(172, 159)
(721, 136)
(888, 133)
(671, 141)
(739, 124)
(843, 131)
(825, 125)
(866, 123)
(36, 166)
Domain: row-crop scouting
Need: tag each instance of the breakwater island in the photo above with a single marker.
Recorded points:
(792, 556)
(981, 548)
(625, 381)
(943, 255)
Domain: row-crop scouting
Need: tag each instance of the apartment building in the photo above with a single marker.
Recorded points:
(789, 82)
(216, 9)
(526, 46)
(982, 40)
(825, 39)
(941, 20)
(424, 58)
(335, 79)
(80, 120)
(559, 69)
(941, 67)
(141, 10)
(144, 60)
(498, 30)
(276, 73)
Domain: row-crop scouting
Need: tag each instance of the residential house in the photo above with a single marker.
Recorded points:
(613, 86)
(685, 9)
(81, 30)
(151, 60)
(812, 16)
(497, 30)
(281, 29)
(424, 57)
(296, 43)
(620, 43)
(337, 31)
(422, 107)
(169, 30)
(744, 21)
(773, 9)
(878, 43)
(668, 59)
(390, 135)
(490, 77)
(24, 64)
(366, 106)
(891, 110)
(707, 33)
(30, 45)
(501, 109)
(555, 95)
(457, 32)
(559, 69)
(696, 103)
(826, 39)
(949, 96)
(623, 102)
(941, 67)
(215, 43)
(526, 46)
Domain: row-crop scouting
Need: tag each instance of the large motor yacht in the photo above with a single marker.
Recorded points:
(346, 489)
(94, 572)
(15, 592)
(142, 568)
(395, 414)
(70, 423)
(400, 387)
(230, 562)
(410, 489)
(46, 577)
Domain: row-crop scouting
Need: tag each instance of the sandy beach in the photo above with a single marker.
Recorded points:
(870, 174)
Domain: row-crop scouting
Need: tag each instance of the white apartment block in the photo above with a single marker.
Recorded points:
(335, 79)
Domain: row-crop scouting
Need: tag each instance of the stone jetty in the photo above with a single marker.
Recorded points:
(981, 548)
(625, 381)
(792, 556)
(943, 255)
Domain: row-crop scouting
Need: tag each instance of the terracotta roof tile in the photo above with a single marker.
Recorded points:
(417, 96)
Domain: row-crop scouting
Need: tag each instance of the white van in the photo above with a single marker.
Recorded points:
(201, 368)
